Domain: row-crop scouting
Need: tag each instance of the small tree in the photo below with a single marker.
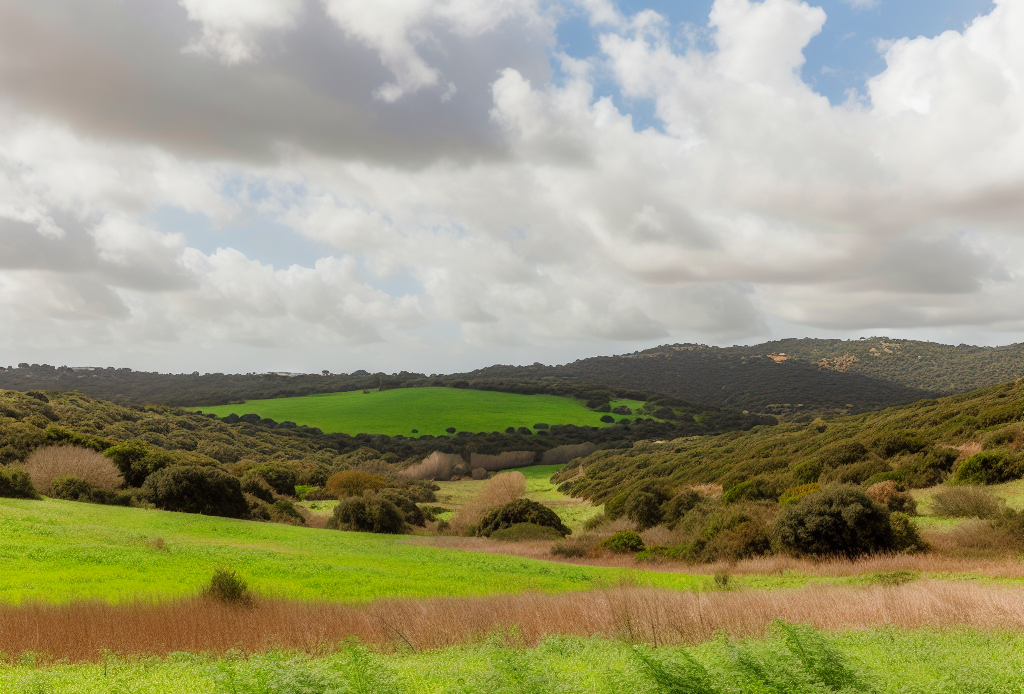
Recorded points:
(353, 483)
(836, 521)
(367, 515)
(520, 511)
(194, 489)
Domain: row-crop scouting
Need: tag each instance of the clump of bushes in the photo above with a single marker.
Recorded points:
(893, 496)
(794, 494)
(989, 467)
(838, 521)
(50, 463)
(411, 513)
(523, 532)
(354, 483)
(751, 490)
(678, 506)
(520, 511)
(228, 587)
(623, 542)
(194, 489)
(966, 502)
(367, 514)
(926, 471)
(16, 484)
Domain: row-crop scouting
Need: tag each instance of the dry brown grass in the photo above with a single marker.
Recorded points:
(500, 490)
(560, 455)
(437, 466)
(968, 449)
(503, 461)
(81, 632)
(52, 462)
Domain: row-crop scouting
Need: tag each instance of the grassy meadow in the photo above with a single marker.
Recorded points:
(60, 551)
(428, 410)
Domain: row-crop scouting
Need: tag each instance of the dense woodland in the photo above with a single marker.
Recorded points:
(789, 378)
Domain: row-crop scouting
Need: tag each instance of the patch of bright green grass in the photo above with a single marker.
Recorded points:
(58, 551)
(882, 661)
(428, 410)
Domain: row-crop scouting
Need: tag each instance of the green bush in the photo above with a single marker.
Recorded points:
(674, 509)
(129, 458)
(808, 471)
(929, 470)
(520, 511)
(905, 537)
(842, 453)
(855, 473)
(751, 490)
(837, 521)
(523, 532)
(624, 542)
(228, 587)
(194, 489)
(16, 484)
(893, 496)
(891, 443)
(989, 467)
(410, 511)
(644, 509)
(367, 514)
(966, 501)
(281, 478)
(258, 487)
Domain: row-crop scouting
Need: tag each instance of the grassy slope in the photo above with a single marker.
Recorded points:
(429, 410)
(60, 550)
(879, 660)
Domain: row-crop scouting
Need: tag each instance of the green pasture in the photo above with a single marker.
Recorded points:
(881, 661)
(58, 551)
(428, 410)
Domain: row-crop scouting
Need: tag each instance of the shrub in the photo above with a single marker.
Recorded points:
(436, 466)
(838, 521)
(893, 496)
(228, 587)
(894, 475)
(794, 494)
(624, 542)
(540, 426)
(570, 549)
(367, 515)
(410, 511)
(966, 502)
(644, 509)
(520, 511)
(843, 453)
(808, 471)
(500, 490)
(51, 462)
(16, 484)
(134, 460)
(678, 506)
(622, 409)
(560, 455)
(595, 522)
(193, 489)
(751, 490)
(257, 487)
(503, 461)
(281, 478)
(855, 473)
(929, 470)
(607, 419)
(353, 483)
(891, 443)
(988, 467)
(905, 537)
(523, 532)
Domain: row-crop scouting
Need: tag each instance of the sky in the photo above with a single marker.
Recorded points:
(437, 186)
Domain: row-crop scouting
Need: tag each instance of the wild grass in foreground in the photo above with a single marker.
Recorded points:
(793, 660)
(86, 631)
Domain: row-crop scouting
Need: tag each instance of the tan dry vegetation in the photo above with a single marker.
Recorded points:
(52, 462)
(502, 461)
(437, 466)
(500, 490)
(82, 632)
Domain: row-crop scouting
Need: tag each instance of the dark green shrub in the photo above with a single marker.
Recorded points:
(893, 442)
(131, 459)
(929, 470)
(16, 484)
(837, 521)
(193, 489)
(966, 501)
(905, 537)
(624, 542)
(751, 490)
(622, 409)
(367, 514)
(595, 522)
(540, 426)
(520, 511)
(258, 487)
(281, 478)
(227, 586)
(523, 532)
(989, 467)
(73, 489)
(674, 509)
(644, 509)
(421, 491)
(1001, 437)
(607, 419)
(887, 475)
(856, 473)
(410, 511)
(842, 453)
(808, 471)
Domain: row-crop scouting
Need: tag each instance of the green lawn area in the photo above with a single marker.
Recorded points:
(428, 410)
(62, 550)
(880, 660)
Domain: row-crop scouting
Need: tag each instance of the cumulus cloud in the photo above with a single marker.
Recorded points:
(519, 213)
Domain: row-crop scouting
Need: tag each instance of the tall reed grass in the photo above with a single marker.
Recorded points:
(53, 462)
(437, 466)
(84, 632)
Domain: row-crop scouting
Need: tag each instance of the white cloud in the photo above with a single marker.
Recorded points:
(757, 202)
(231, 29)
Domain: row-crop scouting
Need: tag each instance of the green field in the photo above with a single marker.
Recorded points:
(882, 661)
(58, 551)
(428, 410)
